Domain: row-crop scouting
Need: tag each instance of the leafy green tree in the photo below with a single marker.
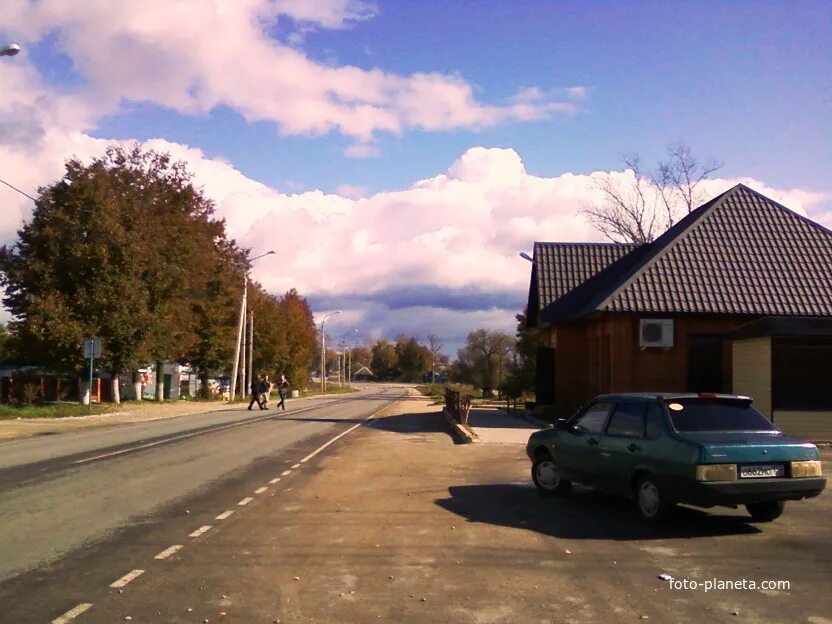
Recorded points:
(412, 358)
(299, 337)
(70, 275)
(484, 359)
(214, 313)
(5, 343)
(126, 249)
(285, 337)
(384, 362)
(521, 377)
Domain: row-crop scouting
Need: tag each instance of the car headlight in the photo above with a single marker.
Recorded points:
(806, 468)
(716, 472)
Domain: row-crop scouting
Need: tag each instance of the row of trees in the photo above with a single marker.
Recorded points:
(407, 359)
(127, 249)
(489, 360)
(496, 360)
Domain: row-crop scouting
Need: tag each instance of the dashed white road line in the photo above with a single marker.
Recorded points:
(134, 574)
(245, 501)
(295, 466)
(285, 472)
(260, 490)
(201, 531)
(73, 613)
(275, 480)
(167, 552)
(224, 515)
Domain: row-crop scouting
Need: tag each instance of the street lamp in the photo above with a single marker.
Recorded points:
(323, 349)
(526, 256)
(10, 50)
(241, 335)
(348, 347)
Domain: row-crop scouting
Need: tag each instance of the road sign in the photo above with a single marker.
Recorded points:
(92, 348)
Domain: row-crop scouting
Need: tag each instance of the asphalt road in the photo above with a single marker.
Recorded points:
(76, 507)
(397, 524)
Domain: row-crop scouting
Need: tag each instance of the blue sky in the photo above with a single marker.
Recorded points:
(745, 82)
(503, 109)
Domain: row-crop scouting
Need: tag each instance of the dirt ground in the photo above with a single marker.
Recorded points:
(396, 523)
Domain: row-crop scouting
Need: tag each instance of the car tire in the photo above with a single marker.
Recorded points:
(765, 512)
(547, 479)
(651, 502)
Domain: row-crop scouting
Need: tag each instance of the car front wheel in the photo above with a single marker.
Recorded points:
(651, 502)
(546, 477)
(766, 512)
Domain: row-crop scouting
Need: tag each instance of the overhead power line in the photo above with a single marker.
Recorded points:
(14, 188)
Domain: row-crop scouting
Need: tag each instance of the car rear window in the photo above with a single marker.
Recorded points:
(716, 415)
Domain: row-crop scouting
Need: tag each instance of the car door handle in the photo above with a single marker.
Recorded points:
(592, 441)
(633, 448)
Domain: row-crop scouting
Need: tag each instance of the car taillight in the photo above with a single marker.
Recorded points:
(806, 469)
(716, 472)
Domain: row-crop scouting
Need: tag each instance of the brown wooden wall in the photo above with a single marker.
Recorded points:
(602, 355)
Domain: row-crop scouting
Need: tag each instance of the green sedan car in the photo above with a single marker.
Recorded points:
(665, 449)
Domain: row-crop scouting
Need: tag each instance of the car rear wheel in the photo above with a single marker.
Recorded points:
(766, 512)
(546, 477)
(651, 502)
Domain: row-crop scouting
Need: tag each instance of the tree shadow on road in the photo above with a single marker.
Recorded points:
(583, 514)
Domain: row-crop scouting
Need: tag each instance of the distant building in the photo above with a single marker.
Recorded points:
(364, 374)
(735, 297)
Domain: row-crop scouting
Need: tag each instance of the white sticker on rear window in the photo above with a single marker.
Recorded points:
(676, 407)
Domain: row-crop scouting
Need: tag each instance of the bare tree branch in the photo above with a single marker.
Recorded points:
(639, 210)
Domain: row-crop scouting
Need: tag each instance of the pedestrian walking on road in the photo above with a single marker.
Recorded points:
(267, 392)
(256, 391)
(283, 390)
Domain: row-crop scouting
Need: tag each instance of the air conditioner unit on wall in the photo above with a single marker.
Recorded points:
(655, 333)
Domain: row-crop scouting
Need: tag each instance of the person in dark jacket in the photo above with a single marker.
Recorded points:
(283, 390)
(256, 393)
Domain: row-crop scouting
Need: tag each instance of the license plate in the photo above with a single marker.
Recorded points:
(762, 471)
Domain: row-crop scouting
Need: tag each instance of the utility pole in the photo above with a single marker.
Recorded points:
(323, 358)
(251, 348)
(323, 349)
(240, 329)
(239, 363)
(243, 385)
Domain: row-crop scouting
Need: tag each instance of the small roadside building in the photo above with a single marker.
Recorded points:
(735, 297)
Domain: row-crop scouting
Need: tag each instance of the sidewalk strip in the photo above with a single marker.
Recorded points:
(73, 613)
(245, 501)
(224, 515)
(260, 490)
(126, 579)
(275, 480)
(201, 531)
(168, 552)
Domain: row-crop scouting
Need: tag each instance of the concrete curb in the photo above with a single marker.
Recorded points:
(460, 432)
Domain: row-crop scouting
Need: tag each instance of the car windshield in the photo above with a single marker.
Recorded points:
(697, 414)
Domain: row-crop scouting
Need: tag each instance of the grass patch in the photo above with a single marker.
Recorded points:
(56, 410)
